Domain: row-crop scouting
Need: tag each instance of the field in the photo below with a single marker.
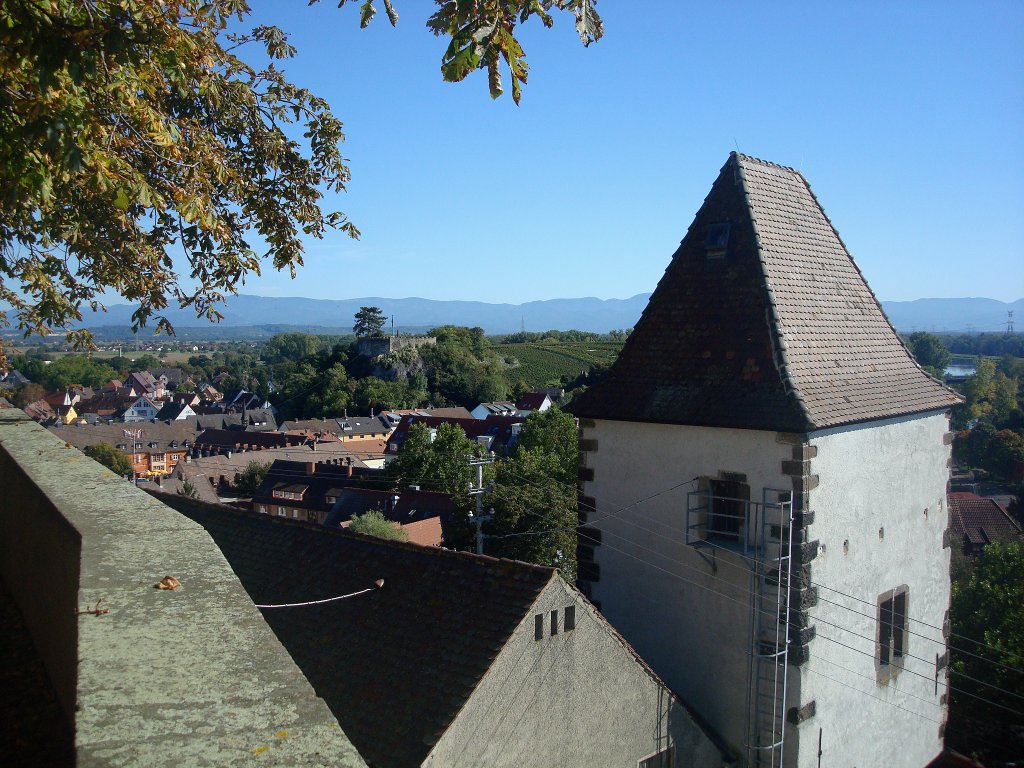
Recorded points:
(541, 365)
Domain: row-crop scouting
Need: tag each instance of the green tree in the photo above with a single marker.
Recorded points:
(110, 457)
(188, 490)
(534, 495)
(535, 514)
(988, 607)
(435, 462)
(290, 347)
(249, 480)
(991, 395)
(369, 322)
(931, 352)
(373, 523)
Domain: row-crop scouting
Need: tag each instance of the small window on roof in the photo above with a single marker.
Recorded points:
(716, 242)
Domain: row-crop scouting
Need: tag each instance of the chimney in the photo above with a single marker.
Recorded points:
(348, 466)
(310, 468)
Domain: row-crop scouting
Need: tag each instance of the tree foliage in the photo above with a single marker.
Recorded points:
(930, 351)
(110, 457)
(249, 480)
(369, 321)
(988, 606)
(482, 34)
(131, 130)
(128, 129)
(290, 347)
(435, 462)
(373, 523)
(534, 495)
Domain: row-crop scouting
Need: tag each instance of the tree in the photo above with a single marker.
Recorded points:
(27, 394)
(249, 480)
(133, 130)
(373, 523)
(534, 495)
(110, 457)
(188, 490)
(290, 347)
(438, 462)
(988, 608)
(931, 352)
(369, 322)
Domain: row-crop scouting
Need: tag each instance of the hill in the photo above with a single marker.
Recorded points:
(245, 313)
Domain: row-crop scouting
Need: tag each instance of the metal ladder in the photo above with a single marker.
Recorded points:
(770, 579)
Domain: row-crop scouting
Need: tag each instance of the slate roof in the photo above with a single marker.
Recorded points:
(318, 479)
(397, 664)
(501, 431)
(177, 435)
(978, 520)
(762, 321)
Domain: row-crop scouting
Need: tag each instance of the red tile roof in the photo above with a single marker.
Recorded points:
(978, 520)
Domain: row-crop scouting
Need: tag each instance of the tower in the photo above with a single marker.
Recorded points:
(763, 479)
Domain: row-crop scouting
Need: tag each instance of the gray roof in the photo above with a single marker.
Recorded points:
(774, 328)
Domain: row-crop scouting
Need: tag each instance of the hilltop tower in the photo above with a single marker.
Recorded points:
(763, 482)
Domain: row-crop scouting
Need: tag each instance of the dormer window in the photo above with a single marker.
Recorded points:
(716, 242)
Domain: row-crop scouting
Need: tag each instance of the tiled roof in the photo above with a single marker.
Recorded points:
(161, 433)
(395, 665)
(762, 321)
(978, 520)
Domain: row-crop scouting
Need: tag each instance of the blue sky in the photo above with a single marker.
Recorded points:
(907, 118)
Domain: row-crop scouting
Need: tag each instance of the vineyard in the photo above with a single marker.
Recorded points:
(541, 365)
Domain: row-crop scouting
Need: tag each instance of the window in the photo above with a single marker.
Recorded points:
(728, 508)
(664, 758)
(538, 626)
(716, 241)
(892, 632)
(554, 622)
(570, 618)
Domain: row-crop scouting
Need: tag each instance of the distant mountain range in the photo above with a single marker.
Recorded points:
(587, 314)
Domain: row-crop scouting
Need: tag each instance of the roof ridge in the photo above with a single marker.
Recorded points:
(347, 534)
(769, 163)
(778, 340)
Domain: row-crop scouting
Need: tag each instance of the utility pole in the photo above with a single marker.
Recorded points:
(478, 518)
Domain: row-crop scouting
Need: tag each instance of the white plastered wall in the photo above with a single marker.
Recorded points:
(573, 698)
(685, 611)
(880, 513)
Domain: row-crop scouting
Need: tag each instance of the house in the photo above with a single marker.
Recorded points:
(175, 410)
(977, 521)
(533, 401)
(305, 490)
(484, 410)
(171, 378)
(448, 659)
(246, 421)
(764, 470)
(40, 411)
(143, 408)
(423, 515)
(154, 448)
(213, 441)
(144, 383)
(495, 433)
(12, 379)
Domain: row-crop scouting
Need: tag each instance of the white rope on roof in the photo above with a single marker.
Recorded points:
(378, 584)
